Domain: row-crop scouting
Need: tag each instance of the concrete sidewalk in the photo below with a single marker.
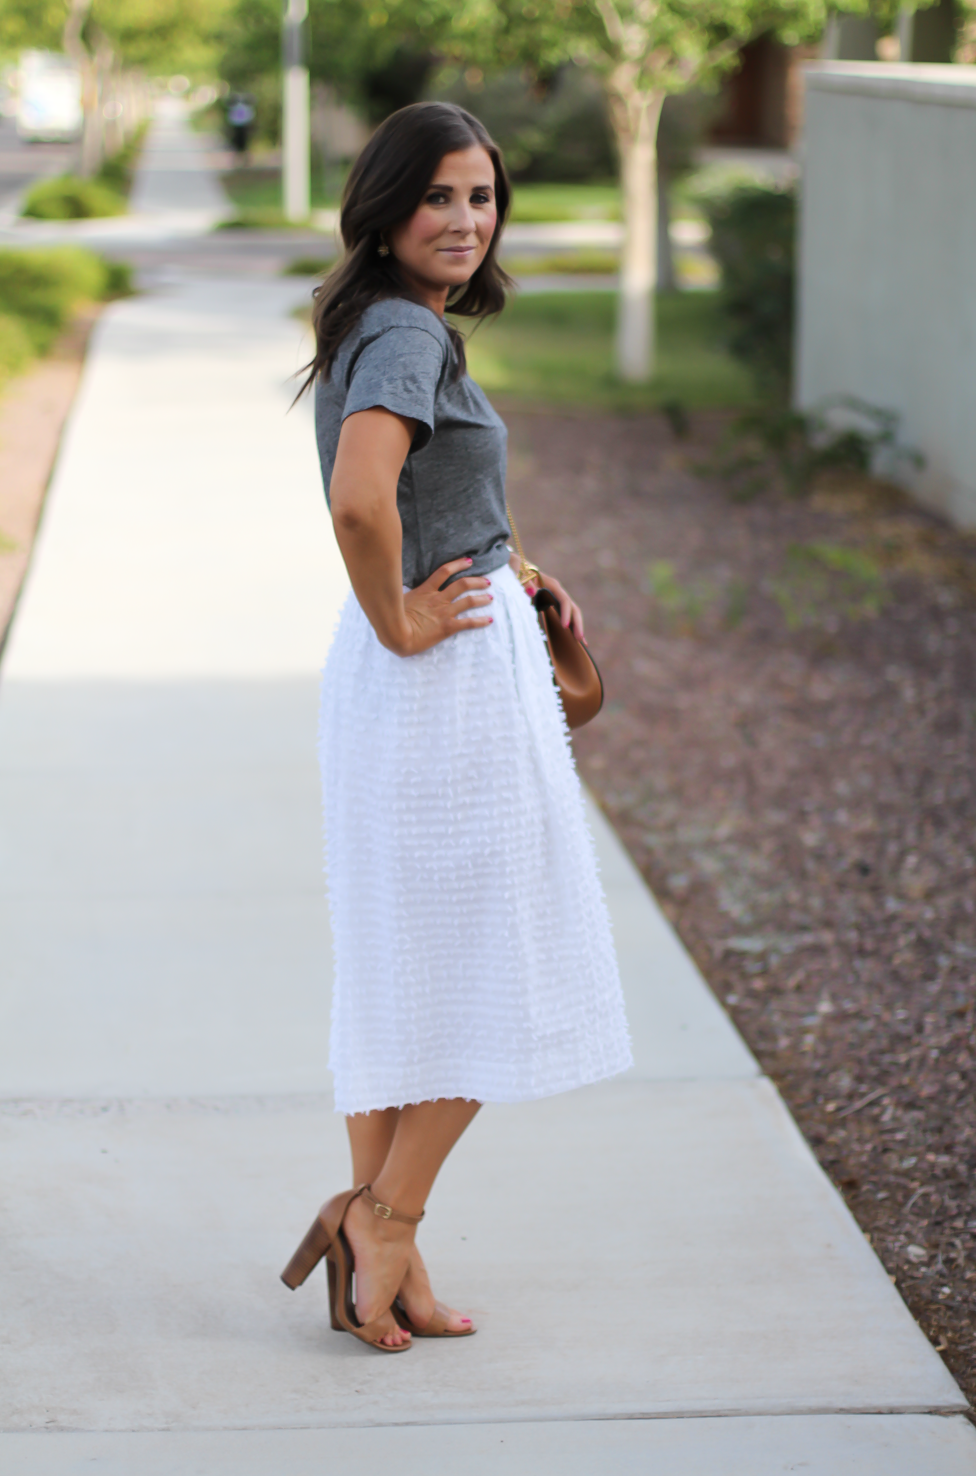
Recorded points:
(663, 1278)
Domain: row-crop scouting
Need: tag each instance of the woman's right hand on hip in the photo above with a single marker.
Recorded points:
(436, 610)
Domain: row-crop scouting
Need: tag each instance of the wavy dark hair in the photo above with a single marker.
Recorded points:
(385, 186)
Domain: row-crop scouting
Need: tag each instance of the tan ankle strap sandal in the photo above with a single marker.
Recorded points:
(386, 1211)
(327, 1239)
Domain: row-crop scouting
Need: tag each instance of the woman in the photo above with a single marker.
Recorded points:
(473, 956)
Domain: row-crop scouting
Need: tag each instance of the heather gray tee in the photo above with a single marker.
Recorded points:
(451, 492)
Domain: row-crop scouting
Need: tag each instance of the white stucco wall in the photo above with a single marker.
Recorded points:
(887, 280)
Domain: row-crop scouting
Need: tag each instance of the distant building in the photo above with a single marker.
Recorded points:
(761, 103)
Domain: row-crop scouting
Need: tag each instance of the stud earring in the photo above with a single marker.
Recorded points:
(382, 249)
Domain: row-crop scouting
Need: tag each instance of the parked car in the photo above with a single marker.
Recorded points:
(49, 98)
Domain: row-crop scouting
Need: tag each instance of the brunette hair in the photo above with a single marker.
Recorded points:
(385, 186)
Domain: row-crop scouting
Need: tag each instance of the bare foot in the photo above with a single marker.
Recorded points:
(418, 1298)
(381, 1250)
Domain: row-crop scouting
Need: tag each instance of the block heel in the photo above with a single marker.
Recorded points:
(309, 1253)
(333, 1295)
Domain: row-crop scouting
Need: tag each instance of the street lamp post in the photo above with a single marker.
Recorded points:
(295, 113)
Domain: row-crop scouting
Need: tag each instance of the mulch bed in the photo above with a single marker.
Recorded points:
(801, 797)
(33, 411)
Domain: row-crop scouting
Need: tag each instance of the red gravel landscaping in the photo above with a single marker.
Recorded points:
(789, 752)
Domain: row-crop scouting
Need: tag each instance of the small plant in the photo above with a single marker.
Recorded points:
(682, 605)
(823, 583)
(736, 603)
(118, 280)
(676, 415)
(791, 449)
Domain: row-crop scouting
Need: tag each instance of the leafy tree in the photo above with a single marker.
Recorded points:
(30, 25)
(372, 58)
(156, 35)
(109, 38)
(644, 51)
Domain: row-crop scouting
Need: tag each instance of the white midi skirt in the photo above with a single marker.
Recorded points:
(473, 952)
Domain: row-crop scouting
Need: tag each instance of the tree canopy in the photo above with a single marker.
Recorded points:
(157, 36)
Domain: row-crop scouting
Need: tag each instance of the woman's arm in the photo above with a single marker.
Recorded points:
(373, 445)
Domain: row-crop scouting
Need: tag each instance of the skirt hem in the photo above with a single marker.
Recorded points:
(491, 1097)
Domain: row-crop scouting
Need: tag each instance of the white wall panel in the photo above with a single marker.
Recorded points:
(887, 282)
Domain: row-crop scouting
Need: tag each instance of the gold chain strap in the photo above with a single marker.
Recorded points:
(527, 573)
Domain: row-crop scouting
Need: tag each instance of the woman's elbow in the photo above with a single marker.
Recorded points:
(354, 511)
(347, 516)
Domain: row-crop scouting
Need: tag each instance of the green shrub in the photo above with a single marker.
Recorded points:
(67, 198)
(16, 349)
(41, 287)
(754, 240)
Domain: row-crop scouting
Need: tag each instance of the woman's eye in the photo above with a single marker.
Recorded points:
(436, 197)
(480, 197)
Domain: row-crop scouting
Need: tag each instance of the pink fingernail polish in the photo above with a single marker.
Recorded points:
(467, 1320)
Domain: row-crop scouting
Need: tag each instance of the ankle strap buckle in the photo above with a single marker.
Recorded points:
(386, 1211)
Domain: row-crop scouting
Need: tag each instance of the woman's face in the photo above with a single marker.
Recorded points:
(445, 240)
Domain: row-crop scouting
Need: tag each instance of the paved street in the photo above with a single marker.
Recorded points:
(664, 1279)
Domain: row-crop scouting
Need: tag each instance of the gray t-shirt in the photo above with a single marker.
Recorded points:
(451, 492)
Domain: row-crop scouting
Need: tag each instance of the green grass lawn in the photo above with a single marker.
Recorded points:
(557, 349)
(256, 191)
(258, 188)
(533, 203)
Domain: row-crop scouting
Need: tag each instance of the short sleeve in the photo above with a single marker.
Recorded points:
(399, 370)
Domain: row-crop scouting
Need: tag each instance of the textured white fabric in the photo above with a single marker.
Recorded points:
(473, 953)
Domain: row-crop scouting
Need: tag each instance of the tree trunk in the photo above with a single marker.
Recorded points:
(665, 256)
(635, 118)
(91, 128)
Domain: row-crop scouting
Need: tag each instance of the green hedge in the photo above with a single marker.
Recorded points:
(754, 239)
(66, 197)
(16, 349)
(40, 289)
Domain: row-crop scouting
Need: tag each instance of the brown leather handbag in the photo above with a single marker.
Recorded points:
(576, 673)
